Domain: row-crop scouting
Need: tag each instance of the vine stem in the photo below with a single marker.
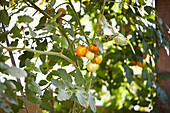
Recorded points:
(14, 64)
(78, 21)
(42, 53)
(96, 29)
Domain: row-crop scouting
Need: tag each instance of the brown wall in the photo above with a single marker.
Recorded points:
(163, 64)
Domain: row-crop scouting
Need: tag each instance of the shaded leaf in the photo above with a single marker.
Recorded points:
(162, 95)
(79, 77)
(33, 98)
(129, 74)
(43, 82)
(64, 43)
(25, 18)
(45, 105)
(5, 18)
(11, 97)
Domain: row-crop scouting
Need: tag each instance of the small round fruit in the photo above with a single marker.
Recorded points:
(140, 64)
(133, 62)
(91, 67)
(89, 55)
(98, 59)
(63, 11)
(94, 48)
(81, 50)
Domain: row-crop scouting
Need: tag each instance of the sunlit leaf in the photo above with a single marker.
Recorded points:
(64, 94)
(82, 97)
(92, 102)
(63, 74)
(16, 72)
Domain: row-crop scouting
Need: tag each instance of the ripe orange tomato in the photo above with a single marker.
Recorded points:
(133, 62)
(89, 55)
(98, 59)
(144, 56)
(81, 50)
(63, 11)
(140, 64)
(91, 67)
(94, 48)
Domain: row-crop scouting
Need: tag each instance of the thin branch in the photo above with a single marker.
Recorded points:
(42, 53)
(78, 21)
(62, 4)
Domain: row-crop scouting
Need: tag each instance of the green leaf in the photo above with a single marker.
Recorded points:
(11, 97)
(24, 56)
(149, 83)
(5, 18)
(4, 105)
(42, 46)
(63, 74)
(59, 83)
(41, 23)
(2, 87)
(92, 102)
(16, 108)
(45, 105)
(99, 44)
(70, 31)
(82, 97)
(43, 82)
(34, 87)
(79, 77)
(64, 43)
(144, 45)
(162, 95)
(42, 58)
(27, 62)
(16, 31)
(64, 94)
(3, 66)
(16, 72)
(144, 75)
(25, 18)
(3, 36)
(33, 98)
(129, 74)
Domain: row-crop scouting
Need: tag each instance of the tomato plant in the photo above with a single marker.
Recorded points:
(74, 83)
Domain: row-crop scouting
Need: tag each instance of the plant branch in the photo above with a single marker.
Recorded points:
(14, 64)
(62, 4)
(38, 9)
(78, 20)
(42, 53)
(97, 26)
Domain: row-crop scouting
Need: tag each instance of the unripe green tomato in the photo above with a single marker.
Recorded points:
(91, 67)
(89, 55)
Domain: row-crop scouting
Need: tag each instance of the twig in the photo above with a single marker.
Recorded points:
(78, 21)
(42, 53)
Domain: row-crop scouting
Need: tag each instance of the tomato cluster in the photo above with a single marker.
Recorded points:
(91, 54)
(140, 64)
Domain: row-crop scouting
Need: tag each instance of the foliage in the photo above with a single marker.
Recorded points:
(137, 31)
